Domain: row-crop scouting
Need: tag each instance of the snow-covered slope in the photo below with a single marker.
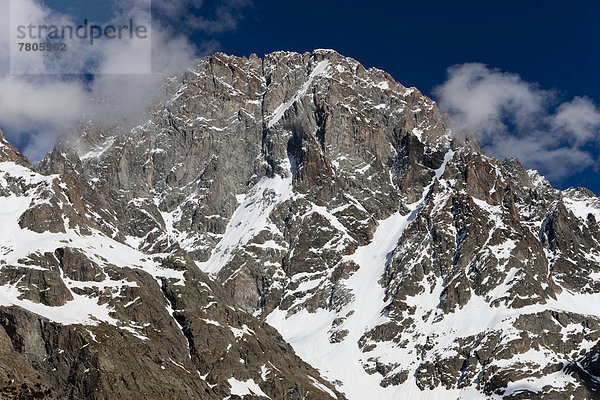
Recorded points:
(336, 204)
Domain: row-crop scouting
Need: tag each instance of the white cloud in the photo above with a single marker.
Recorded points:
(39, 108)
(514, 118)
(27, 103)
(580, 119)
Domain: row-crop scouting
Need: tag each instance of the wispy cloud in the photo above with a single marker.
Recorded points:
(514, 118)
(36, 109)
(199, 15)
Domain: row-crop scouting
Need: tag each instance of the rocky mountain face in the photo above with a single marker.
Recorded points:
(296, 204)
(83, 315)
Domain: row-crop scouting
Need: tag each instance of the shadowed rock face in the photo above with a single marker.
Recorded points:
(324, 198)
(183, 341)
(167, 338)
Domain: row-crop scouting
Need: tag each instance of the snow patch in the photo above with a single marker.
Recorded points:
(319, 69)
(245, 388)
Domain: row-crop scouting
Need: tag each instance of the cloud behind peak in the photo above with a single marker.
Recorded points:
(512, 117)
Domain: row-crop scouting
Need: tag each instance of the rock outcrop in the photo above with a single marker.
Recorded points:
(324, 198)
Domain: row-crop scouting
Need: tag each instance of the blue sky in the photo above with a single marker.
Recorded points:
(552, 44)
(510, 56)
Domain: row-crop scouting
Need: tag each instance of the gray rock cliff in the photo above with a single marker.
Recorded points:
(295, 204)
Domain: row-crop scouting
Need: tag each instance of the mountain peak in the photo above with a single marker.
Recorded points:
(330, 201)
